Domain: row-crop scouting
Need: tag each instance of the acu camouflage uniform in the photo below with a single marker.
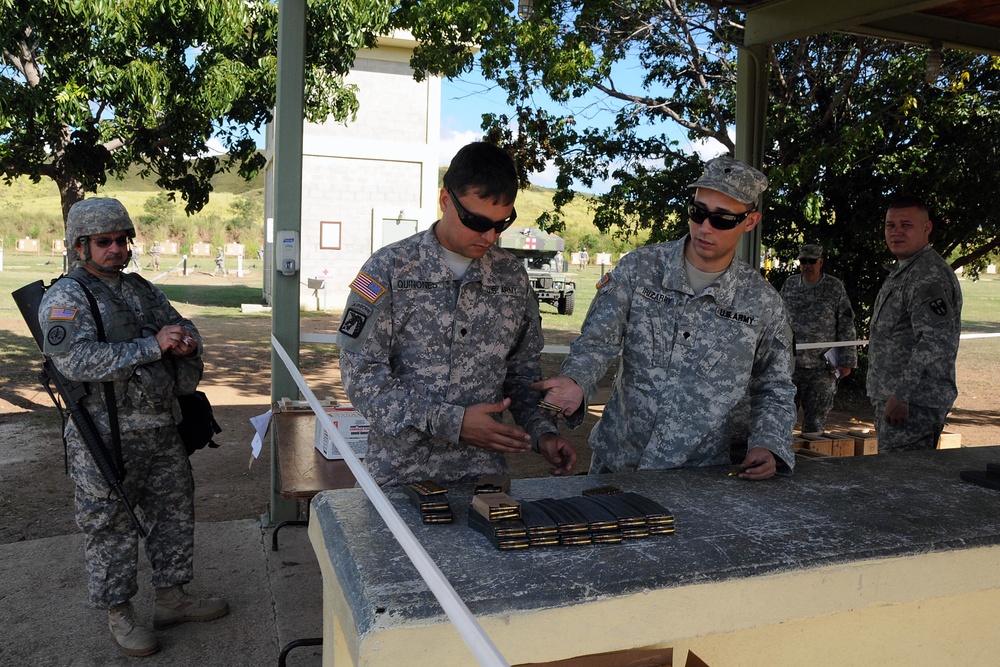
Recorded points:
(912, 349)
(687, 360)
(819, 312)
(158, 474)
(419, 346)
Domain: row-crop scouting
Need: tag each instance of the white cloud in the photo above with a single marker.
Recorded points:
(707, 149)
(452, 140)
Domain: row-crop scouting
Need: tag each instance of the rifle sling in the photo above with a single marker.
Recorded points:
(109, 387)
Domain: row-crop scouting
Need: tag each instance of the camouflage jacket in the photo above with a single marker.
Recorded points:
(418, 346)
(132, 311)
(820, 312)
(686, 362)
(915, 329)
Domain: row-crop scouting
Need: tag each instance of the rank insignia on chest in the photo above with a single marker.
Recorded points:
(605, 279)
(60, 313)
(367, 288)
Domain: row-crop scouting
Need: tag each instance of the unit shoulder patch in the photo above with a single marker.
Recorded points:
(56, 335)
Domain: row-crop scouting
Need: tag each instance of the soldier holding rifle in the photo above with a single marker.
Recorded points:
(117, 333)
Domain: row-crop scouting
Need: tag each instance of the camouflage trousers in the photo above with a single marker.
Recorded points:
(159, 483)
(921, 431)
(814, 392)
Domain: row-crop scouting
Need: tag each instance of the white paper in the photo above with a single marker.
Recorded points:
(831, 358)
(260, 423)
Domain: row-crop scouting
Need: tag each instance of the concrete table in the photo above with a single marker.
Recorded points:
(874, 560)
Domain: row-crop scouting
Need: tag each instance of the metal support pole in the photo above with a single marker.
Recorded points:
(751, 114)
(288, 117)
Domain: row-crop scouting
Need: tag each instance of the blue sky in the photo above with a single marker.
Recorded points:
(465, 100)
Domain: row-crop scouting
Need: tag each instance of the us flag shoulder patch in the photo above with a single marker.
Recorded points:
(60, 313)
(605, 279)
(367, 288)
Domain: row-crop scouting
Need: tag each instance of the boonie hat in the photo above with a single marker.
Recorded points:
(732, 178)
(810, 251)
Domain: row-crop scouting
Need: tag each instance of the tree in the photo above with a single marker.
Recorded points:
(89, 88)
(852, 121)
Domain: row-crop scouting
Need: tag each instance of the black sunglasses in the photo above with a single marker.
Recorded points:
(720, 221)
(478, 223)
(105, 241)
(807, 260)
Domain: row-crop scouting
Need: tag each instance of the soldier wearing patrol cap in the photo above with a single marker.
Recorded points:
(137, 352)
(915, 329)
(699, 332)
(441, 334)
(820, 311)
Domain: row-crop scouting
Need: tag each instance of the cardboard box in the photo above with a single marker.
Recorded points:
(351, 425)
(949, 440)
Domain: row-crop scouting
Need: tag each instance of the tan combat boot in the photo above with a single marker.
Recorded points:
(173, 606)
(133, 639)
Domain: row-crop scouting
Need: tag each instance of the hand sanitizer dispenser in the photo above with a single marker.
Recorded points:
(288, 252)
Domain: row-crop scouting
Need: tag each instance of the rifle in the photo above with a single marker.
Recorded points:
(28, 300)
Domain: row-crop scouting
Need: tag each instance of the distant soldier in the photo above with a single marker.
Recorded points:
(154, 255)
(915, 329)
(220, 262)
(584, 258)
(820, 311)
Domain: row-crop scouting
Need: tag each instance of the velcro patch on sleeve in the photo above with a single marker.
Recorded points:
(605, 279)
(354, 320)
(61, 313)
(367, 288)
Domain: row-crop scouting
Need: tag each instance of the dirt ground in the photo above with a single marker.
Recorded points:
(36, 496)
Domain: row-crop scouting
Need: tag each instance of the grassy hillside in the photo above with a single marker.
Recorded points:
(234, 213)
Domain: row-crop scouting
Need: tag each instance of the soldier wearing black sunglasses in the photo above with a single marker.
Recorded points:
(704, 342)
(441, 334)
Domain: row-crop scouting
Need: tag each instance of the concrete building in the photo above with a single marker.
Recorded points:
(365, 183)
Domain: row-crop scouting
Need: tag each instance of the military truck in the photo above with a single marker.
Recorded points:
(541, 254)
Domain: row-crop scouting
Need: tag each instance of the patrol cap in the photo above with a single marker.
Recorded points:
(99, 215)
(810, 251)
(732, 178)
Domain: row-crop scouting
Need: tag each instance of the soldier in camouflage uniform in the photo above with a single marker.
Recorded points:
(699, 333)
(915, 329)
(148, 354)
(820, 312)
(441, 334)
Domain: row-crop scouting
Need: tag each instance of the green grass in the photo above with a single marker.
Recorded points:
(981, 304)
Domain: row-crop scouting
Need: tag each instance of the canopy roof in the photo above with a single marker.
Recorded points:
(972, 25)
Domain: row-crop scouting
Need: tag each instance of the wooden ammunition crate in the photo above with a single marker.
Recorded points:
(865, 441)
(830, 444)
(949, 440)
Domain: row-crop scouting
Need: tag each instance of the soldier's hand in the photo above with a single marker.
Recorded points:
(481, 430)
(557, 451)
(896, 411)
(170, 336)
(759, 464)
(562, 391)
(844, 371)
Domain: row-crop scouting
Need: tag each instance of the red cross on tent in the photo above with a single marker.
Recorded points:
(529, 243)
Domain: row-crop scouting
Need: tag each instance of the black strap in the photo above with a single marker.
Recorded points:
(109, 387)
